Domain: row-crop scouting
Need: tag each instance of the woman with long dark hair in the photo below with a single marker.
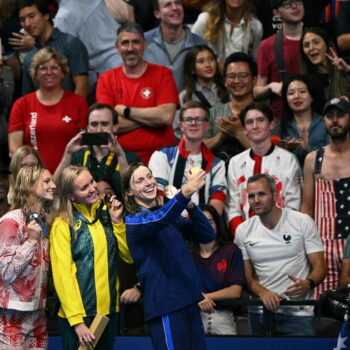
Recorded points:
(220, 264)
(301, 128)
(320, 62)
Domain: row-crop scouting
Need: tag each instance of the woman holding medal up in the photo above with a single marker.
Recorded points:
(84, 243)
(24, 261)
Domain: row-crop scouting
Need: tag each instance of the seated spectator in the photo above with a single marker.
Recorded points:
(225, 134)
(4, 189)
(7, 87)
(49, 117)
(283, 258)
(344, 278)
(320, 62)
(203, 81)
(278, 55)
(24, 262)
(82, 21)
(24, 155)
(108, 160)
(301, 129)
(34, 17)
(263, 157)
(143, 94)
(220, 266)
(229, 26)
(169, 43)
(170, 164)
(326, 188)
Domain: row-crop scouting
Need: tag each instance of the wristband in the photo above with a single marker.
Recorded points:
(312, 283)
(138, 287)
(126, 112)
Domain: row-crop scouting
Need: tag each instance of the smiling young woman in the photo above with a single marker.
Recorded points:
(320, 62)
(24, 261)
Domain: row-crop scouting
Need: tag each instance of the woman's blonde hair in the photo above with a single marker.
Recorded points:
(15, 166)
(214, 28)
(25, 188)
(45, 55)
(65, 186)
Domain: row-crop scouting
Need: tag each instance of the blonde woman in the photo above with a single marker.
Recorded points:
(84, 243)
(229, 26)
(48, 118)
(24, 261)
(25, 155)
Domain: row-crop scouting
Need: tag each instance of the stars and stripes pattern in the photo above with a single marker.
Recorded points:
(332, 216)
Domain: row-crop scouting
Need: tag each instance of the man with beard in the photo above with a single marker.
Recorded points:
(143, 94)
(327, 188)
(283, 258)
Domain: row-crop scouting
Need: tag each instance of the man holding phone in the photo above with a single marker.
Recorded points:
(98, 149)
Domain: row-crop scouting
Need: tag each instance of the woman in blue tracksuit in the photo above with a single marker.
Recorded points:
(156, 238)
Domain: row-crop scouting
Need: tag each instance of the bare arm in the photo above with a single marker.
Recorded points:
(263, 89)
(218, 205)
(270, 299)
(126, 125)
(213, 142)
(15, 140)
(158, 116)
(300, 286)
(232, 126)
(81, 85)
(344, 278)
(74, 145)
(120, 10)
(308, 203)
(232, 292)
(343, 42)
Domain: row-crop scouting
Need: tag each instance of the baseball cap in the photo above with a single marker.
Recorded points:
(340, 103)
(278, 3)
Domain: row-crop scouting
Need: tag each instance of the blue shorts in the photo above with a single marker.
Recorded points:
(179, 330)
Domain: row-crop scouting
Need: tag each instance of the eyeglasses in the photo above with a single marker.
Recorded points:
(45, 69)
(240, 76)
(197, 120)
(289, 3)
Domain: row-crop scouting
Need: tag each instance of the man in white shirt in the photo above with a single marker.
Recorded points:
(283, 258)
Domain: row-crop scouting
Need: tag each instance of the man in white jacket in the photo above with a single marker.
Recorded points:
(262, 157)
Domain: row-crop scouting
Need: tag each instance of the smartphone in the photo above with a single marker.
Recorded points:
(95, 138)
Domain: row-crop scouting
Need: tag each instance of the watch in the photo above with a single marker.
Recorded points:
(312, 283)
(126, 112)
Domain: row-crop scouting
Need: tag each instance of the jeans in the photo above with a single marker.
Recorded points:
(283, 324)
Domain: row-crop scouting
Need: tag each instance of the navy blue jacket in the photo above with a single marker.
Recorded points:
(165, 268)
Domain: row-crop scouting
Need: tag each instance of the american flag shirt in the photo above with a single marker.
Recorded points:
(332, 216)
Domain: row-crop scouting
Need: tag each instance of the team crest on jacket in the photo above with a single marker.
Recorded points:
(146, 93)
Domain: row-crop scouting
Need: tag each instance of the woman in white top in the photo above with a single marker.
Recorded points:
(229, 26)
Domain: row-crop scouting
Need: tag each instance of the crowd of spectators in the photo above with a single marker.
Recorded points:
(237, 88)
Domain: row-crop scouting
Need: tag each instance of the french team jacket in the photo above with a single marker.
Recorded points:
(282, 165)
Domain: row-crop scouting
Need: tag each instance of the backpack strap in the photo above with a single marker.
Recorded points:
(278, 48)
